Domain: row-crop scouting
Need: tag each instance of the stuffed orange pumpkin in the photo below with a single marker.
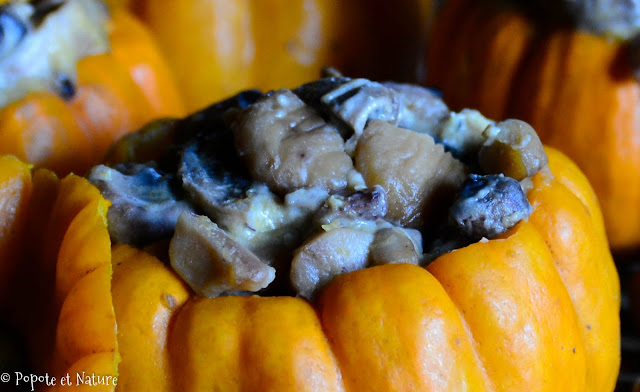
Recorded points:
(571, 77)
(74, 77)
(217, 48)
(296, 240)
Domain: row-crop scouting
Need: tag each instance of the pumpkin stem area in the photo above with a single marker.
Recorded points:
(278, 193)
(42, 42)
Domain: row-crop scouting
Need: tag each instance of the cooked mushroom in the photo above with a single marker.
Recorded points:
(395, 245)
(360, 100)
(210, 180)
(243, 208)
(211, 262)
(368, 204)
(328, 255)
(344, 101)
(488, 206)
(144, 207)
(415, 172)
(420, 109)
(288, 146)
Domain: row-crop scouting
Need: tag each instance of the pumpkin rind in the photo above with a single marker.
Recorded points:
(77, 329)
(146, 296)
(15, 197)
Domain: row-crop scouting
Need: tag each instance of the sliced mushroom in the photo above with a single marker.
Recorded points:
(344, 101)
(144, 207)
(328, 255)
(211, 262)
(245, 209)
(360, 100)
(420, 109)
(395, 245)
(311, 93)
(416, 173)
(488, 206)
(368, 204)
(209, 179)
(288, 146)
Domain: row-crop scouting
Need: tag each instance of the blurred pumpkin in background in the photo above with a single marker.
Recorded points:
(74, 77)
(569, 68)
(217, 47)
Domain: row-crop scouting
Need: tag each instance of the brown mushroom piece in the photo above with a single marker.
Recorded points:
(144, 207)
(488, 206)
(417, 174)
(345, 101)
(211, 262)
(360, 100)
(248, 211)
(311, 94)
(287, 145)
(328, 255)
(513, 148)
(419, 109)
(209, 181)
(368, 204)
(395, 245)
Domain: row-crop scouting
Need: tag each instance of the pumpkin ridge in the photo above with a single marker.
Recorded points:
(499, 347)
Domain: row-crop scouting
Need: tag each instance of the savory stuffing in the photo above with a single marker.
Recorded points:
(144, 207)
(416, 172)
(279, 193)
(211, 262)
(327, 255)
(488, 206)
(288, 146)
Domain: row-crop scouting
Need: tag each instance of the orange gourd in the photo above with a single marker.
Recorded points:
(576, 88)
(72, 100)
(217, 48)
(535, 309)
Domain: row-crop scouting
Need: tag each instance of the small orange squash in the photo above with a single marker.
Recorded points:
(577, 89)
(75, 77)
(535, 308)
